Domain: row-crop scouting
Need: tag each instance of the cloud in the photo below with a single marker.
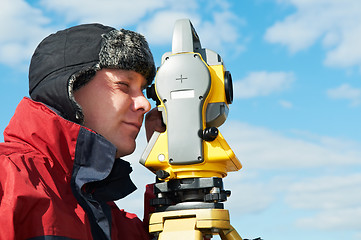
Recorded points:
(108, 12)
(246, 192)
(286, 104)
(273, 172)
(21, 29)
(221, 32)
(345, 91)
(158, 31)
(23, 26)
(155, 18)
(218, 31)
(257, 84)
(335, 199)
(357, 236)
(344, 219)
(274, 165)
(335, 23)
(273, 168)
(285, 158)
(326, 192)
(261, 148)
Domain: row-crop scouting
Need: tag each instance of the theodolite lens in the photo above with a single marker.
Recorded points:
(228, 87)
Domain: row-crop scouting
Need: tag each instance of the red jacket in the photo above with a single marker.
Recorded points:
(58, 178)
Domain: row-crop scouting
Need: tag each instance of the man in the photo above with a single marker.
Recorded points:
(60, 166)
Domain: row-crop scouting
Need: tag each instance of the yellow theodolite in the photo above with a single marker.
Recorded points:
(190, 159)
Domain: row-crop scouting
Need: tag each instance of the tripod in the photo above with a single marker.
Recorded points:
(191, 209)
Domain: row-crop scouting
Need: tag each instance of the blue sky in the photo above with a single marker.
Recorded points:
(295, 120)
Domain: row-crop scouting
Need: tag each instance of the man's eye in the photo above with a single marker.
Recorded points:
(123, 86)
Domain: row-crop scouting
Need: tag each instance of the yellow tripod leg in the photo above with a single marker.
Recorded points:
(230, 234)
(192, 224)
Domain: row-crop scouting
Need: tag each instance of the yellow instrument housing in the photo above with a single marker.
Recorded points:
(219, 158)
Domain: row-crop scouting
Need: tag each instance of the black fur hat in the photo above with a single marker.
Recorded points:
(68, 59)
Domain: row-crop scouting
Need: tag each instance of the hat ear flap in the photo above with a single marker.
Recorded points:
(76, 81)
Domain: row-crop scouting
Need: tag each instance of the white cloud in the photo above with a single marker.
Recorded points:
(335, 23)
(344, 219)
(286, 104)
(336, 199)
(157, 26)
(261, 148)
(332, 201)
(357, 236)
(222, 31)
(262, 84)
(217, 32)
(108, 12)
(23, 26)
(326, 192)
(328, 199)
(158, 31)
(246, 192)
(21, 29)
(345, 91)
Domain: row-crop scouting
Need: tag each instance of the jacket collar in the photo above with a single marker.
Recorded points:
(87, 159)
(40, 128)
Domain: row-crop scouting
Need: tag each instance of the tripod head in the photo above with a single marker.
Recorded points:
(193, 91)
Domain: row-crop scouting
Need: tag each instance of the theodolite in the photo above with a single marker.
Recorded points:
(190, 158)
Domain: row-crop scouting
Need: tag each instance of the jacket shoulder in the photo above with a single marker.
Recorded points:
(36, 196)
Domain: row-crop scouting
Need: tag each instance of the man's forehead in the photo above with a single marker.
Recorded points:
(134, 76)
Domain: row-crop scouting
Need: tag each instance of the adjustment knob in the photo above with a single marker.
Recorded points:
(210, 133)
(161, 174)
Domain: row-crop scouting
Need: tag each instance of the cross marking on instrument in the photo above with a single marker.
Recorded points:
(181, 78)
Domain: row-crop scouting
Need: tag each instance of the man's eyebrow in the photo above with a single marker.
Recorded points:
(145, 85)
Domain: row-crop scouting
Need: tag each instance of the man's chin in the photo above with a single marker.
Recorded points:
(125, 150)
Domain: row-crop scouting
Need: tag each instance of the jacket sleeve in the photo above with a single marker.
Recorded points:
(148, 195)
(127, 226)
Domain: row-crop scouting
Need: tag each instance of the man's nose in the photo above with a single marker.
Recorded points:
(141, 103)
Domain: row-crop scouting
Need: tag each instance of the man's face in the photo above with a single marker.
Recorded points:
(114, 106)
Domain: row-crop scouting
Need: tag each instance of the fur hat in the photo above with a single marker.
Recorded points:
(68, 59)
